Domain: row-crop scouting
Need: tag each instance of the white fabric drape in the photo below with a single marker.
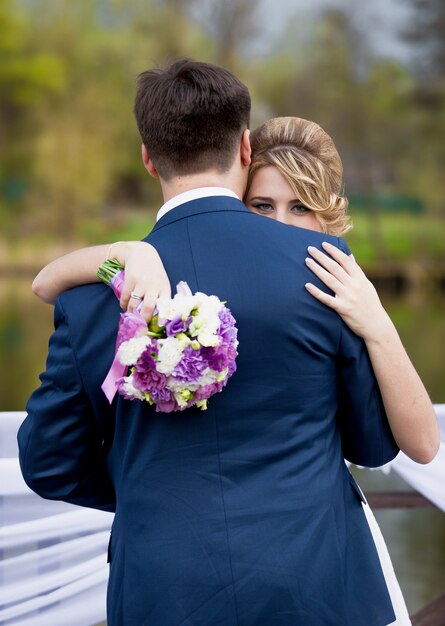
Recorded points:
(53, 566)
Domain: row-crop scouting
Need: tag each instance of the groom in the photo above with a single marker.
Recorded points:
(244, 514)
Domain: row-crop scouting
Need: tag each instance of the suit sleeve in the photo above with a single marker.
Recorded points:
(60, 444)
(365, 432)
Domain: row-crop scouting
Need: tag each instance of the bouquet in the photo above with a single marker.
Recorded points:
(181, 358)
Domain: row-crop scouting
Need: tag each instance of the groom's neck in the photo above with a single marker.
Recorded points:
(179, 184)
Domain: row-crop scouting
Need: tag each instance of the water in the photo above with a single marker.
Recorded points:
(415, 537)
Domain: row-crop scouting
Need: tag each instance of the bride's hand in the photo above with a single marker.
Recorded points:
(145, 276)
(355, 298)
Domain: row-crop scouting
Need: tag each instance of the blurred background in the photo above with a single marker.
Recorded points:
(372, 74)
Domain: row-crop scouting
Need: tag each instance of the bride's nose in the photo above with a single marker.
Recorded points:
(284, 216)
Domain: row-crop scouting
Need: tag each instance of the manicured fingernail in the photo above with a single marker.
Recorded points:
(325, 244)
(308, 260)
(311, 248)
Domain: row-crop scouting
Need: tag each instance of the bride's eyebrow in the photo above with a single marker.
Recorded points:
(262, 198)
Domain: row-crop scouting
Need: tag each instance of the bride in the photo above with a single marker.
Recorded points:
(295, 178)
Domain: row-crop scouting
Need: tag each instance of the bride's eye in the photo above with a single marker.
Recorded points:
(263, 208)
(299, 209)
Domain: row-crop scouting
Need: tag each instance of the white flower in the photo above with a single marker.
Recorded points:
(130, 389)
(171, 308)
(183, 289)
(183, 396)
(208, 338)
(211, 304)
(204, 327)
(130, 351)
(208, 377)
(179, 385)
(169, 355)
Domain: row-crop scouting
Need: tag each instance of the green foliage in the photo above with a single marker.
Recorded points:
(67, 78)
(400, 237)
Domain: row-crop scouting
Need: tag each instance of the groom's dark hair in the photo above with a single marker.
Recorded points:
(191, 117)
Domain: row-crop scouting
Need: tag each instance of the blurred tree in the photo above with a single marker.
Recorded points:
(324, 79)
(425, 173)
(173, 33)
(85, 146)
(29, 79)
(77, 147)
(234, 25)
(426, 32)
(69, 147)
(231, 24)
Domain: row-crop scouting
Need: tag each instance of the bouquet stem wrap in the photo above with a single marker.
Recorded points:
(181, 358)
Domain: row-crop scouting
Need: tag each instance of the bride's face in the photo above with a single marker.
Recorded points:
(271, 195)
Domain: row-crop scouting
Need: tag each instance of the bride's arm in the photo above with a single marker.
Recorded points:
(407, 404)
(144, 273)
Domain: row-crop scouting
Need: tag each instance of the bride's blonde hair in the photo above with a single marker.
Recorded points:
(307, 158)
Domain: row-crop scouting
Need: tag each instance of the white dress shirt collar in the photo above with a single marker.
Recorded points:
(194, 194)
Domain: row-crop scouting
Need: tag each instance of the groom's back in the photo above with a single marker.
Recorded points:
(283, 397)
(216, 508)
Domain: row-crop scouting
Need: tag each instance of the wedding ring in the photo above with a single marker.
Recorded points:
(135, 296)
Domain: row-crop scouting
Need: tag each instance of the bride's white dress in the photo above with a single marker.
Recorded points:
(402, 617)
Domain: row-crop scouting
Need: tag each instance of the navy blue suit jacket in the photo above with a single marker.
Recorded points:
(243, 514)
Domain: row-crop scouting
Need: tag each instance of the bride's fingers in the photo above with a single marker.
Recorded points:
(130, 287)
(125, 297)
(151, 295)
(137, 297)
(165, 290)
(325, 276)
(347, 261)
(320, 295)
(148, 306)
(331, 265)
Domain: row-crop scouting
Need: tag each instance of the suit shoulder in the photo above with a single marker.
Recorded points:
(84, 300)
(278, 230)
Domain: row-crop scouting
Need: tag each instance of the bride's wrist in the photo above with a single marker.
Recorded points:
(114, 252)
(381, 332)
(121, 250)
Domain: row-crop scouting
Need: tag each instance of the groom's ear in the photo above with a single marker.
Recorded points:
(148, 163)
(245, 148)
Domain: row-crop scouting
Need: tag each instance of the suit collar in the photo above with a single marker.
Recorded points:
(209, 204)
(193, 194)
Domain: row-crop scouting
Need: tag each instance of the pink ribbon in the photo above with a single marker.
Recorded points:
(130, 325)
(117, 370)
(109, 386)
(117, 284)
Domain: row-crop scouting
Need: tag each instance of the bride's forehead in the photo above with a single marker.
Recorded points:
(270, 179)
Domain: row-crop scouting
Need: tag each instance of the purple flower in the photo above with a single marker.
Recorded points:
(130, 325)
(126, 390)
(161, 394)
(175, 326)
(146, 377)
(227, 329)
(231, 369)
(204, 392)
(149, 381)
(191, 366)
(219, 357)
(167, 407)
